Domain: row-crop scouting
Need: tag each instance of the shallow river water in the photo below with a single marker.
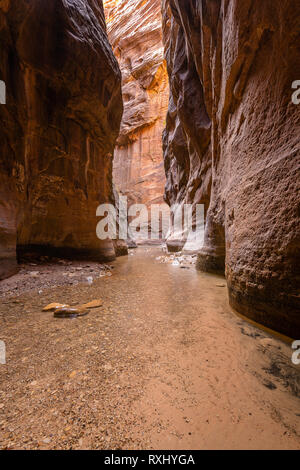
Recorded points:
(164, 364)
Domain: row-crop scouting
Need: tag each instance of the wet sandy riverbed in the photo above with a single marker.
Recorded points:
(165, 363)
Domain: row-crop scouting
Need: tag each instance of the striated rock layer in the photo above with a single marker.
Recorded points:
(135, 32)
(232, 143)
(58, 128)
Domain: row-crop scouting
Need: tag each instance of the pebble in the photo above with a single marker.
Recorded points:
(68, 312)
(93, 304)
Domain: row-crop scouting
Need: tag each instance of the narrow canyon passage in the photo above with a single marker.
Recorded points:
(149, 191)
(163, 364)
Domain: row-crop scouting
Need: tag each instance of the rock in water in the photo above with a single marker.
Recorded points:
(67, 312)
(57, 130)
(232, 143)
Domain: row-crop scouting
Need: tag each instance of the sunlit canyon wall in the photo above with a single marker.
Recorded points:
(135, 32)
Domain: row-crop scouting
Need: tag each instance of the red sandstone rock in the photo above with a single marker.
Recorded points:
(58, 129)
(232, 143)
(135, 32)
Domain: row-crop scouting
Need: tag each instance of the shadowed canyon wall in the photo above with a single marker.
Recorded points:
(135, 32)
(232, 143)
(58, 128)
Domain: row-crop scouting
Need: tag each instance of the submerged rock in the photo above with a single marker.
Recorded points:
(93, 304)
(65, 311)
(68, 312)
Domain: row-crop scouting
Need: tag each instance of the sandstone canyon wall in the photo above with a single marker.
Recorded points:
(135, 32)
(58, 128)
(232, 143)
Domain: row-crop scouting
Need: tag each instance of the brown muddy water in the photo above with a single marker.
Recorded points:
(163, 364)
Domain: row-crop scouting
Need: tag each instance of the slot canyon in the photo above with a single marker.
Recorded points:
(123, 342)
(136, 38)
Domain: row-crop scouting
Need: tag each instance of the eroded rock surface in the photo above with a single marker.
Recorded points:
(58, 128)
(135, 32)
(232, 143)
